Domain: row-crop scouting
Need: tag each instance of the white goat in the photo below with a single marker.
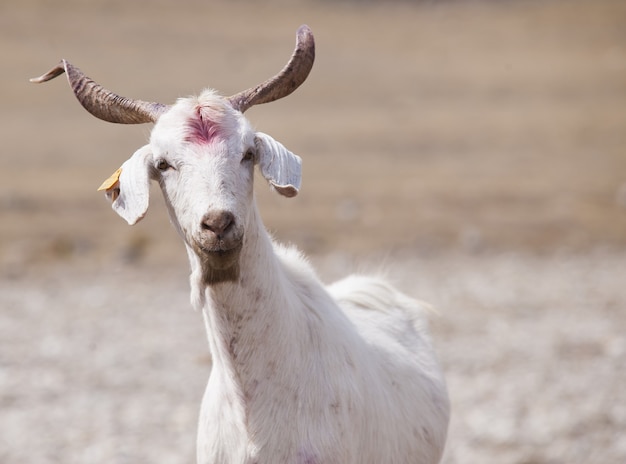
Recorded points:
(301, 373)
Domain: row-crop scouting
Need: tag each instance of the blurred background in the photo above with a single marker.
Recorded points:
(474, 151)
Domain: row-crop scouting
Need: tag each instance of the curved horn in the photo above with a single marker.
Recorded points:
(101, 102)
(286, 81)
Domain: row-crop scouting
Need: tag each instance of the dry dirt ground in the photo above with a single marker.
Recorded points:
(476, 151)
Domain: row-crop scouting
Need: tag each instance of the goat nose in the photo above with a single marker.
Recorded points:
(218, 222)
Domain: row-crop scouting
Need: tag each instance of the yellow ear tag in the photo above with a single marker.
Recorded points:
(111, 181)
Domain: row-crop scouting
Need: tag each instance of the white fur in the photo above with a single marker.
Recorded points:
(302, 373)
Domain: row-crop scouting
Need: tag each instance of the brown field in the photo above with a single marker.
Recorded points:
(474, 150)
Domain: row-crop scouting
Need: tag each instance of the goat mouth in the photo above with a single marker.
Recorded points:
(218, 256)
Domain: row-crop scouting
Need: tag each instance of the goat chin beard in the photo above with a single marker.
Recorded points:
(212, 276)
(218, 266)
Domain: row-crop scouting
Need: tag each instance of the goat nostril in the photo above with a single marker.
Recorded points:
(218, 222)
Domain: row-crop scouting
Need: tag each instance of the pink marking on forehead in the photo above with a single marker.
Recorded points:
(205, 126)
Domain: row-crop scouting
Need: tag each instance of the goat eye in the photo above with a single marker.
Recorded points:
(248, 155)
(162, 165)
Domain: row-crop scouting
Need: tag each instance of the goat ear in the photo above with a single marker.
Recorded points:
(281, 168)
(129, 187)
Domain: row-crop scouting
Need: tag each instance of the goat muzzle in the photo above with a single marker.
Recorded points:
(219, 240)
